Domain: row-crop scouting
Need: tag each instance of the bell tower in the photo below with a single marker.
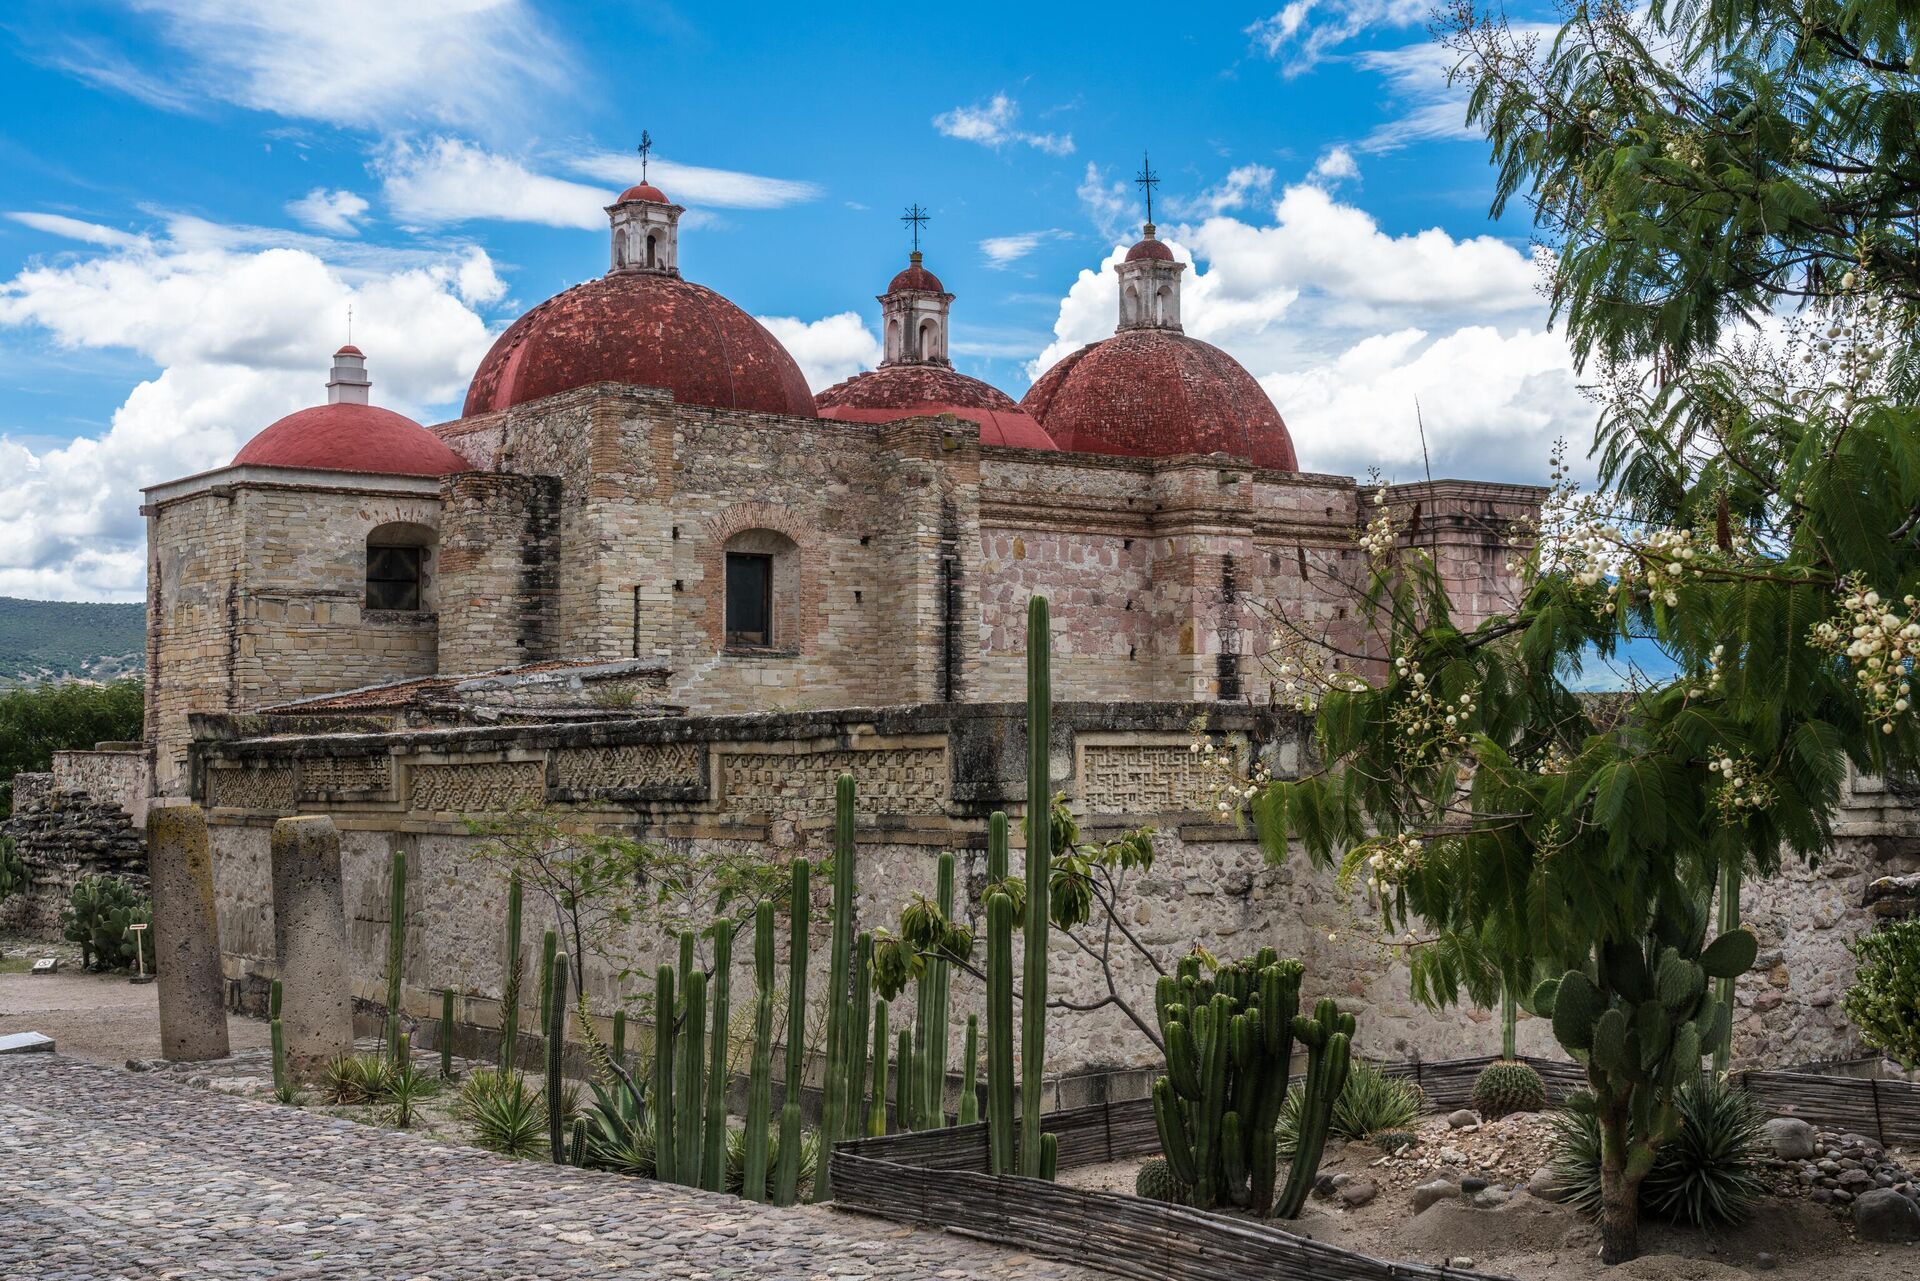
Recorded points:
(1150, 274)
(646, 225)
(914, 310)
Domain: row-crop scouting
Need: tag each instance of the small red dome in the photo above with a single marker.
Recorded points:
(916, 277)
(643, 191)
(893, 392)
(1150, 249)
(644, 329)
(351, 437)
(351, 350)
(1152, 393)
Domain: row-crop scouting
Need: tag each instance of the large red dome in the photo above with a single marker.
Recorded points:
(1150, 393)
(351, 437)
(647, 329)
(892, 392)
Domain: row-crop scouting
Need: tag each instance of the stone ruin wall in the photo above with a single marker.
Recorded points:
(927, 777)
(83, 818)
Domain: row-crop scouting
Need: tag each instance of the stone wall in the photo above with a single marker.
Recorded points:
(62, 837)
(110, 774)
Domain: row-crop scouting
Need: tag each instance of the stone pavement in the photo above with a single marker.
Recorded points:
(105, 1175)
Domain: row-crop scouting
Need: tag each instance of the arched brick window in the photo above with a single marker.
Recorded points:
(399, 558)
(762, 569)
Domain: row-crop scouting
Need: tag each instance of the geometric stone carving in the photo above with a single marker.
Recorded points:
(902, 780)
(241, 788)
(484, 787)
(628, 768)
(324, 774)
(1143, 779)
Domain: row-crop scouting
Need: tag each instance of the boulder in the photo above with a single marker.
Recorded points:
(1884, 1215)
(1489, 1199)
(1546, 1185)
(1791, 1137)
(1462, 1119)
(1431, 1191)
(1357, 1192)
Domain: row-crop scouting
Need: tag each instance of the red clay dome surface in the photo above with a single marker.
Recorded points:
(916, 277)
(645, 329)
(1151, 393)
(1150, 249)
(352, 437)
(911, 391)
(643, 191)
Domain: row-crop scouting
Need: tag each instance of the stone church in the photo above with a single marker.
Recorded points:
(650, 577)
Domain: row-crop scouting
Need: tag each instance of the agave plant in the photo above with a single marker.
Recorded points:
(356, 1078)
(1370, 1103)
(619, 1135)
(1707, 1175)
(507, 1115)
(407, 1085)
(737, 1156)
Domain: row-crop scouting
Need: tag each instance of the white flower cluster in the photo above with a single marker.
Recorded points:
(1391, 861)
(1228, 787)
(1710, 680)
(1742, 790)
(1427, 721)
(1307, 672)
(1880, 645)
(1378, 538)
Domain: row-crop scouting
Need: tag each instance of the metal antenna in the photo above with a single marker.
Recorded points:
(646, 146)
(349, 324)
(915, 217)
(1147, 180)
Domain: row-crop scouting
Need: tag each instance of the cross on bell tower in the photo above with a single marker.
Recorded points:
(915, 217)
(1150, 274)
(1147, 180)
(915, 307)
(646, 225)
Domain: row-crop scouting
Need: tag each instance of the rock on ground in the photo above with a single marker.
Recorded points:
(1885, 1215)
(1791, 1137)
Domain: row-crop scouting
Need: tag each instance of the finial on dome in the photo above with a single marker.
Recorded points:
(915, 217)
(347, 383)
(1147, 180)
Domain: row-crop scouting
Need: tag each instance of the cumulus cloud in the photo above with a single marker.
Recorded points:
(1347, 325)
(697, 184)
(444, 180)
(241, 336)
(1108, 202)
(1335, 166)
(992, 124)
(1303, 33)
(1242, 186)
(364, 63)
(828, 349)
(1005, 251)
(337, 212)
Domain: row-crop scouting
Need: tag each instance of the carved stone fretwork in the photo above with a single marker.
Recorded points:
(324, 775)
(483, 787)
(1143, 779)
(634, 767)
(239, 788)
(902, 780)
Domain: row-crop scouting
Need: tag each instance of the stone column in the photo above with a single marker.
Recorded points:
(186, 936)
(310, 942)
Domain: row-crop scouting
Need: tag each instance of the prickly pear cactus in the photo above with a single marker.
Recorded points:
(1504, 1088)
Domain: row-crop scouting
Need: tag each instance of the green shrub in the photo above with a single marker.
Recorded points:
(1884, 1001)
(98, 912)
(1369, 1103)
(38, 721)
(619, 1133)
(1708, 1175)
(507, 1115)
(356, 1078)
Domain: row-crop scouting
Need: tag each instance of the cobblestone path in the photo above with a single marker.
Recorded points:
(106, 1175)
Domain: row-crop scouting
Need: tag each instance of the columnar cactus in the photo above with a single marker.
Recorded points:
(933, 1067)
(903, 1080)
(786, 1175)
(618, 1051)
(854, 1119)
(969, 1081)
(396, 948)
(510, 983)
(833, 1106)
(577, 1152)
(1000, 1094)
(446, 1034)
(760, 1073)
(713, 1170)
(665, 1050)
(549, 947)
(877, 1116)
(556, 1050)
(1033, 990)
(690, 1143)
(1328, 1036)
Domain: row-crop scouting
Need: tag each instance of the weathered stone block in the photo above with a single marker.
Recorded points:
(310, 942)
(193, 1012)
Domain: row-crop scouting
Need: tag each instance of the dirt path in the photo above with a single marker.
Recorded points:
(99, 1017)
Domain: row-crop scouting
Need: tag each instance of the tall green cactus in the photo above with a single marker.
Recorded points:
(877, 1115)
(1000, 1089)
(713, 1172)
(1722, 1042)
(833, 1105)
(556, 1051)
(1639, 1017)
(969, 1080)
(510, 983)
(618, 1051)
(549, 948)
(1328, 1036)
(577, 1151)
(1033, 990)
(396, 948)
(786, 1174)
(903, 1080)
(855, 1116)
(690, 1143)
(760, 1074)
(446, 1034)
(666, 1017)
(938, 984)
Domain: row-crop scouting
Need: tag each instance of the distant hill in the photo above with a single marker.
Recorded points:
(52, 640)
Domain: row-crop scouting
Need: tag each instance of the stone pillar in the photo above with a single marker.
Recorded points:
(186, 936)
(310, 942)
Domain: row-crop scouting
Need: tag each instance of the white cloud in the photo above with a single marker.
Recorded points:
(443, 180)
(991, 124)
(1004, 251)
(828, 349)
(1346, 325)
(1242, 186)
(242, 337)
(697, 184)
(1335, 166)
(1109, 204)
(337, 212)
(1304, 33)
(375, 64)
(75, 229)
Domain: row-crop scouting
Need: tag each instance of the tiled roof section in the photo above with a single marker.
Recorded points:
(916, 277)
(417, 692)
(898, 386)
(1150, 249)
(645, 329)
(643, 191)
(1150, 393)
(351, 437)
(1010, 427)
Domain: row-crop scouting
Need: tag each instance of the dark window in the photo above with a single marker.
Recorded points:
(393, 577)
(749, 599)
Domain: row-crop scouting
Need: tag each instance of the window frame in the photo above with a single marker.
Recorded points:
(413, 552)
(735, 638)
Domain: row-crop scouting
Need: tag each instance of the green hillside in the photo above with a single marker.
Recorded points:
(51, 640)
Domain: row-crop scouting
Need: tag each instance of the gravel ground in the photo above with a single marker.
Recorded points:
(99, 1017)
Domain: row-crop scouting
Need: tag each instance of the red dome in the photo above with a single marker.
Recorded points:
(1151, 393)
(643, 191)
(644, 329)
(1150, 249)
(916, 277)
(350, 350)
(351, 437)
(893, 392)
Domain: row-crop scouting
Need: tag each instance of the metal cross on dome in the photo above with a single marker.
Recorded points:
(1147, 180)
(915, 217)
(646, 145)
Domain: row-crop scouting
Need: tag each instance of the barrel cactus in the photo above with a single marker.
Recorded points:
(1155, 1182)
(1505, 1087)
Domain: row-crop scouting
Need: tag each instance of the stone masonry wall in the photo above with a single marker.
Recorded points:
(111, 775)
(63, 836)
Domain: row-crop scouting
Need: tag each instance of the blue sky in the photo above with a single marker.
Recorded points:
(192, 192)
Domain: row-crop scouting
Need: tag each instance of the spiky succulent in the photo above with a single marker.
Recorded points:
(1370, 1103)
(1155, 1182)
(1505, 1086)
(1395, 1141)
(1707, 1175)
(737, 1156)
